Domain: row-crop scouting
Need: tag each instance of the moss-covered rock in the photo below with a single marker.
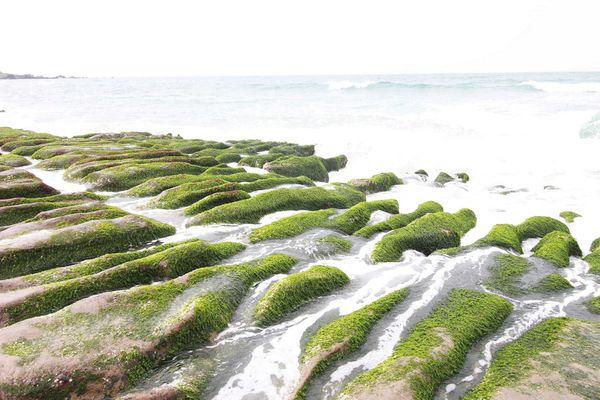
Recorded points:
(443, 178)
(291, 292)
(552, 283)
(32, 253)
(105, 343)
(253, 209)
(429, 233)
(400, 220)
(214, 200)
(569, 216)
(506, 273)
(463, 177)
(167, 264)
(259, 160)
(44, 224)
(84, 268)
(228, 158)
(557, 247)
(329, 245)
(358, 216)
(189, 193)
(434, 350)
(290, 149)
(341, 337)
(126, 176)
(505, 236)
(556, 359)
(348, 222)
(312, 167)
(15, 183)
(13, 160)
(291, 226)
(594, 305)
(593, 259)
(335, 163)
(268, 183)
(377, 183)
(12, 214)
(421, 172)
(155, 186)
(537, 227)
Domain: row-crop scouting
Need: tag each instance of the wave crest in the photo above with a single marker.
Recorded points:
(560, 87)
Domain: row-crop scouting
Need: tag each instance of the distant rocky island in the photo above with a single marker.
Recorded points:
(4, 75)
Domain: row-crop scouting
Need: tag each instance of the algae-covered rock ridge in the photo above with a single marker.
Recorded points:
(140, 266)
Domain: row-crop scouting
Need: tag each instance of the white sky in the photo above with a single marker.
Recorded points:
(264, 37)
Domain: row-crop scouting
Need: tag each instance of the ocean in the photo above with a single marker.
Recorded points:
(529, 142)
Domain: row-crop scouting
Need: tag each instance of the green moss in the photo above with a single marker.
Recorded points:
(335, 163)
(268, 183)
(223, 170)
(556, 247)
(189, 193)
(552, 283)
(359, 215)
(512, 363)
(348, 222)
(377, 183)
(463, 177)
(344, 336)
(228, 158)
(32, 187)
(400, 220)
(291, 226)
(537, 227)
(504, 236)
(93, 266)
(167, 264)
(291, 292)
(506, 273)
(155, 186)
(429, 233)
(76, 243)
(569, 216)
(443, 178)
(214, 200)
(331, 244)
(10, 146)
(421, 172)
(13, 160)
(56, 198)
(292, 166)
(290, 149)
(13, 214)
(436, 347)
(259, 160)
(593, 259)
(137, 329)
(256, 207)
(594, 305)
(127, 176)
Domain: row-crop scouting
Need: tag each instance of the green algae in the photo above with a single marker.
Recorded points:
(79, 242)
(342, 337)
(293, 166)
(552, 283)
(426, 234)
(400, 220)
(505, 236)
(569, 216)
(377, 183)
(214, 200)
(506, 274)
(253, 209)
(556, 247)
(436, 347)
(537, 227)
(293, 291)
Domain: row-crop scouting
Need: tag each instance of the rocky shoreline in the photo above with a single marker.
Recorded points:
(94, 298)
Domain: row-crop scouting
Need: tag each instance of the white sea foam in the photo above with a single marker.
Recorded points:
(560, 87)
(340, 85)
